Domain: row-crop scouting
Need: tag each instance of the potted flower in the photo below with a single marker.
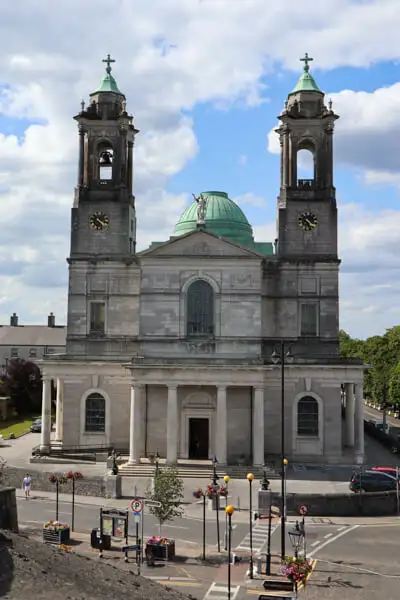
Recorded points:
(161, 548)
(296, 569)
(55, 532)
(198, 493)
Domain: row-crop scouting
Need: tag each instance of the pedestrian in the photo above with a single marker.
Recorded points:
(26, 484)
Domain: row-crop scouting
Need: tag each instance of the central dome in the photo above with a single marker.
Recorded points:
(222, 217)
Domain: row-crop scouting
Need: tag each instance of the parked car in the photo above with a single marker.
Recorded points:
(372, 481)
(36, 426)
(389, 470)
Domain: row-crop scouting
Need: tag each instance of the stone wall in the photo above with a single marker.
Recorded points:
(329, 505)
(8, 509)
(87, 486)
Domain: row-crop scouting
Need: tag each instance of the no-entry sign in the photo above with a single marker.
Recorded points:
(303, 510)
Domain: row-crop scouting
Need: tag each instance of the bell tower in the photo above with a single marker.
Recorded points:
(307, 215)
(103, 215)
(104, 275)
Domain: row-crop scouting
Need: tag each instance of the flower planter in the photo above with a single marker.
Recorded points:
(56, 536)
(162, 551)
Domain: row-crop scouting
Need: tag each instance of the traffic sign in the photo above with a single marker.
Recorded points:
(136, 517)
(132, 548)
(153, 503)
(303, 510)
(137, 505)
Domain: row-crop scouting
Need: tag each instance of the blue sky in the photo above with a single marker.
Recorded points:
(205, 80)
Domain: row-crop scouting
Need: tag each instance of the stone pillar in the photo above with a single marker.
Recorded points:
(172, 424)
(359, 421)
(258, 427)
(349, 415)
(81, 166)
(134, 426)
(222, 437)
(59, 409)
(46, 416)
(129, 173)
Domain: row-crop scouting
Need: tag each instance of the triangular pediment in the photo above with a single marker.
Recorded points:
(200, 243)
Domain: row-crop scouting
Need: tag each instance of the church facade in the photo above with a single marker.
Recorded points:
(178, 349)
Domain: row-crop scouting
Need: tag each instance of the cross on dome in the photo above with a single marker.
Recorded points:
(306, 59)
(108, 60)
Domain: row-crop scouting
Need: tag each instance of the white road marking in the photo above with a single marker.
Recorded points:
(332, 539)
(341, 528)
(328, 535)
(315, 543)
(220, 592)
(175, 526)
(260, 535)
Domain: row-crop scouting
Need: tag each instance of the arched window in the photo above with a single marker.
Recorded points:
(308, 417)
(306, 165)
(105, 161)
(200, 308)
(95, 413)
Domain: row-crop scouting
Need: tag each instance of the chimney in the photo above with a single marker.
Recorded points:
(51, 320)
(14, 320)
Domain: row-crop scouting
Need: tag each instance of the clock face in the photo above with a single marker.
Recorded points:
(308, 221)
(98, 221)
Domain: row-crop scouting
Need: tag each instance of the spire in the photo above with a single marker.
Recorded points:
(306, 82)
(108, 83)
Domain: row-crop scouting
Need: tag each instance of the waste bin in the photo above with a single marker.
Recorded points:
(98, 541)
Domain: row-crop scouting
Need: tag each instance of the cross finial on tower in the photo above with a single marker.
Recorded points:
(306, 59)
(108, 60)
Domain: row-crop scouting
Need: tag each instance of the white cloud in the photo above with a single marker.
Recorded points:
(171, 56)
(250, 199)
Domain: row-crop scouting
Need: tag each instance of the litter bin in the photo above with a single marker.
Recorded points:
(97, 541)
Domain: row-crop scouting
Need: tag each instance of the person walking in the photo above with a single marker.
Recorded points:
(26, 484)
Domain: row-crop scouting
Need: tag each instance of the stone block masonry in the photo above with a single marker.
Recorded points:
(87, 486)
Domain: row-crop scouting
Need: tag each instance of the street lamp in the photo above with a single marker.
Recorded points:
(156, 462)
(226, 480)
(229, 510)
(215, 486)
(282, 358)
(296, 539)
(250, 478)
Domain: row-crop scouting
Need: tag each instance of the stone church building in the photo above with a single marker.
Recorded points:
(177, 349)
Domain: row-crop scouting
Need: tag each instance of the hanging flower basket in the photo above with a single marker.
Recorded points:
(212, 490)
(198, 493)
(223, 492)
(297, 569)
(74, 475)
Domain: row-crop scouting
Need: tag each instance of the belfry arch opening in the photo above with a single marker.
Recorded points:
(105, 159)
(306, 165)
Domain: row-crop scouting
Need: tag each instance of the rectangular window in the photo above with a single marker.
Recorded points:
(32, 352)
(14, 352)
(309, 320)
(97, 317)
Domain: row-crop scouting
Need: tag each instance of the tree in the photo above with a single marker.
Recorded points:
(394, 385)
(23, 383)
(168, 490)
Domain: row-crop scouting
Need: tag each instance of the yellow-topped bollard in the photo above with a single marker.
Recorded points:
(250, 476)
(227, 478)
(229, 509)
(285, 462)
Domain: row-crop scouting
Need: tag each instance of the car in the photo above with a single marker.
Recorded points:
(36, 426)
(393, 471)
(372, 481)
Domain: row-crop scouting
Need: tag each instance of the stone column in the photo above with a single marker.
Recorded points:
(258, 427)
(59, 409)
(359, 421)
(81, 166)
(172, 424)
(46, 416)
(349, 415)
(134, 425)
(221, 433)
(129, 173)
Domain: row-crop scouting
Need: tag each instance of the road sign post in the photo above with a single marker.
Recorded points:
(303, 510)
(136, 505)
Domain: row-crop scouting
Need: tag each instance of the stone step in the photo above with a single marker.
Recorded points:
(192, 472)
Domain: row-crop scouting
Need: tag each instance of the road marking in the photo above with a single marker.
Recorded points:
(220, 592)
(342, 528)
(315, 543)
(333, 539)
(175, 526)
(328, 535)
(183, 583)
(313, 565)
(260, 535)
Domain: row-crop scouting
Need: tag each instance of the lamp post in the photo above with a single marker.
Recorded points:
(226, 480)
(296, 539)
(268, 559)
(229, 510)
(216, 492)
(199, 493)
(250, 478)
(281, 359)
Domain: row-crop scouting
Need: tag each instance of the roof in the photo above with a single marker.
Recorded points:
(108, 83)
(223, 217)
(306, 82)
(33, 335)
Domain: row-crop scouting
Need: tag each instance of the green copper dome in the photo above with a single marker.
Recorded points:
(108, 83)
(222, 217)
(306, 82)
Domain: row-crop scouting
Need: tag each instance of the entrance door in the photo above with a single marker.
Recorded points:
(198, 438)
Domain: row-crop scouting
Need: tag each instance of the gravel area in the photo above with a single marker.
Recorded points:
(31, 569)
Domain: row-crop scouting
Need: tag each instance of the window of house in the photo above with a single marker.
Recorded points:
(14, 353)
(309, 320)
(32, 352)
(95, 413)
(97, 317)
(200, 308)
(307, 417)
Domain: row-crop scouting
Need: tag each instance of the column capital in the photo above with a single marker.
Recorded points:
(172, 387)
(221, 389)
(258, 388)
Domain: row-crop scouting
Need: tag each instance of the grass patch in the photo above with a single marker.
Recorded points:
(17, 426)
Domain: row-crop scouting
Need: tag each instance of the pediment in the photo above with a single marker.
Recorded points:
(200, 243)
